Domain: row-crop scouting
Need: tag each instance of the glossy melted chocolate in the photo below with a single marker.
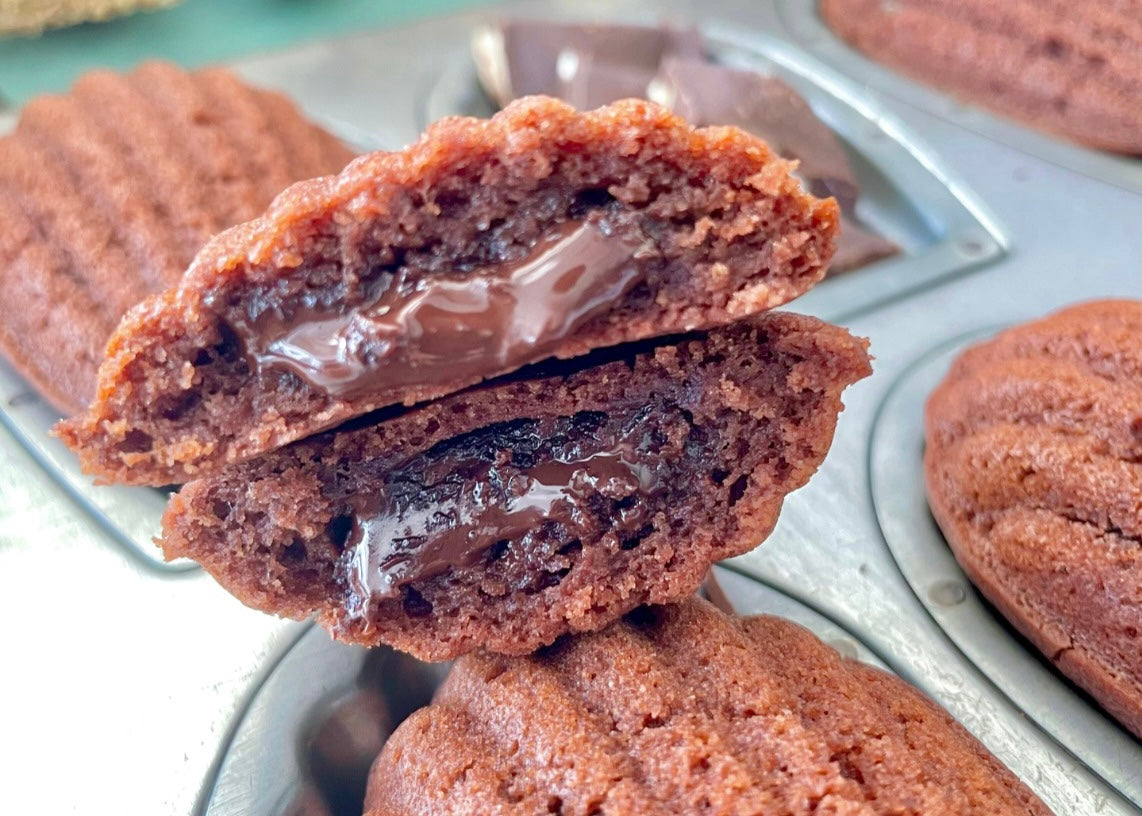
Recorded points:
(391, 547)
(451, 329)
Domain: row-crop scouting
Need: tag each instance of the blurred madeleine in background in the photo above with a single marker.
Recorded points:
(30, 17)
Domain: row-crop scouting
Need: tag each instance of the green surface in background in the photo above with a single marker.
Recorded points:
(195, 32)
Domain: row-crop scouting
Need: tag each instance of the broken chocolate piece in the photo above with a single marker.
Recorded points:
(583, 64)
(550, 501)
(352, 292)
(767, 107)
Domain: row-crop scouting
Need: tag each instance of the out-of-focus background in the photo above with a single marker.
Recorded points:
(191, 33)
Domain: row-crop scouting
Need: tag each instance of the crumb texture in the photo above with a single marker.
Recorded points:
(683, 709)
(721, 426)
(1074, 69)
(724, 232)
(1034, 472)
(108, 192)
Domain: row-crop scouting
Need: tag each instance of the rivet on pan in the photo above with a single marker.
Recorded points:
(972, 246)
(23, 398)
(845, 648)
(947, 593)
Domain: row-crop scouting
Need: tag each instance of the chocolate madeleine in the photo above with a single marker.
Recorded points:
(1034, 472)
(1073, 69)
(486, 246)
(108, 191)
(682, 709)
(551, 501)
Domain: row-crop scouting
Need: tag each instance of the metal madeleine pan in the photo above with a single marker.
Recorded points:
(1062, 236)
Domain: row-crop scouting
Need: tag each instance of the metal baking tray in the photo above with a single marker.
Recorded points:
(185, 678)
(130, 516)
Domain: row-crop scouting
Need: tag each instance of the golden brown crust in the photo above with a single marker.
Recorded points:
(1034, 472)
(683, 709)
(720, 203)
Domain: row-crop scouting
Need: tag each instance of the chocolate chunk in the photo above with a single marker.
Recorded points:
(550, 501)
(394, 546)
(487, 245)
(448, 329)
(858, 246)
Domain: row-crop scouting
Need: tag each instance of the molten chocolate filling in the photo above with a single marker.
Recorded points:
(468, 504)
(447, 329)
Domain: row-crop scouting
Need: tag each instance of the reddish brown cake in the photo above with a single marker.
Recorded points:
(110, 190)
(684, 709)
(552, 501)
(1034, 468)
(487, 245)
(1074, 69)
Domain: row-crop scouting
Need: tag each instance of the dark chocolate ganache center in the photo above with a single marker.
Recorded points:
(471, 503)
(447, 329)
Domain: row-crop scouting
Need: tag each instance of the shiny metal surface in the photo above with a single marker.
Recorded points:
(290, 745)
(130, 516)
(132, 681)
